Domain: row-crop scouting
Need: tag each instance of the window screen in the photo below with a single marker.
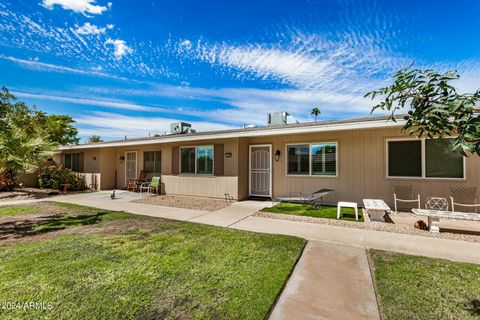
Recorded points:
(205, 160)
(298, 159)
(72, 161)
(187, 160)
(405, 158)
(441, 162)
(324, 159)
(151, 161)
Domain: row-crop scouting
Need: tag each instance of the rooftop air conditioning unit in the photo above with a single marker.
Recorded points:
(277, 118)
(181, 127)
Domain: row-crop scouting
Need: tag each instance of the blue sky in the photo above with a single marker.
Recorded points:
(132, 67)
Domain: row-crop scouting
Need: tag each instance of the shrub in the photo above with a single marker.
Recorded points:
(7, 180)
(53, 177)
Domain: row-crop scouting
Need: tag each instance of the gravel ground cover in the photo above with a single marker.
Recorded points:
(374, 225)
(204, 204)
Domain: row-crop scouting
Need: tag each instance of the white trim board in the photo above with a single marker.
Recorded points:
(246, 133)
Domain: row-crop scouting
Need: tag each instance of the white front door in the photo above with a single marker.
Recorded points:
(260, 171)
(130, 166)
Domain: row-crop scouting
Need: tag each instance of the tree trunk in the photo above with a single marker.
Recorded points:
(7, 180)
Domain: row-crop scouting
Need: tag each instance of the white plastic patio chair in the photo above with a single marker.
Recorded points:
(151, 186)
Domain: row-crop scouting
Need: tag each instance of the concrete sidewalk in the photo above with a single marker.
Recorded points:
(232, 214)
(239, 216)
(123, 202)
(330, 281)
(455, 250)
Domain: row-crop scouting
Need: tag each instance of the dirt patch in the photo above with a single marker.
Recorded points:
(114, 227)
(27, 194)
(39, 209)
(196, 203)
(373, 225)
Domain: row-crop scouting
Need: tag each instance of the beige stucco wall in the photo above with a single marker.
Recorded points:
(243, 175)
(110, 161)
(361, 168)
(91, 158)
(107, 168)
(204, 186)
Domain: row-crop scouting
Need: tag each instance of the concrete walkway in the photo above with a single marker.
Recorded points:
(123, 202)
(330, 281)
(239, 216)
(455, 250)
(231, 215)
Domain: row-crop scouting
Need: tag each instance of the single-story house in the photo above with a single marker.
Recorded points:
(358, 158)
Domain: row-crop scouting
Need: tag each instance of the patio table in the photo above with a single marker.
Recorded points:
(435, 215)
(376, 209)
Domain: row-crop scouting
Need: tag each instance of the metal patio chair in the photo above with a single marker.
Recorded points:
(464, 196)
(404, 193)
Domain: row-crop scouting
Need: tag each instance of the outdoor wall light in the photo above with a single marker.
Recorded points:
(122, 158)
(94, 158)
(277, 155)
(228, 154)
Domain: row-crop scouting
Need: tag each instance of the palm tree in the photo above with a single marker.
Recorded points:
(21, 152)
(315, 112)
(23, 140)
(94, 139)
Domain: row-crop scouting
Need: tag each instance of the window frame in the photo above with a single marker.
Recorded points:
(195, 147)
(160, 160)
(423, 155)
(310, 159)
(71, 154)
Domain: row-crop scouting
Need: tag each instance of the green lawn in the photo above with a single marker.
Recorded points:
(411, 287)
(19, 210)
(113, 265)
(328, 212)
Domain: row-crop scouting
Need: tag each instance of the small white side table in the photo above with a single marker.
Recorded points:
(344, 204)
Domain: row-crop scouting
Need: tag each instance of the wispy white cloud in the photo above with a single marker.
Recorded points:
(34, 34)
(306, 61)
(35, 64)
(85, 7)
(92, 102)
(120, 48)
(89, 28)
(248, 105)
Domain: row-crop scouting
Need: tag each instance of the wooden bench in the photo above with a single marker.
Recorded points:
(435, 215)
(376, 209)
